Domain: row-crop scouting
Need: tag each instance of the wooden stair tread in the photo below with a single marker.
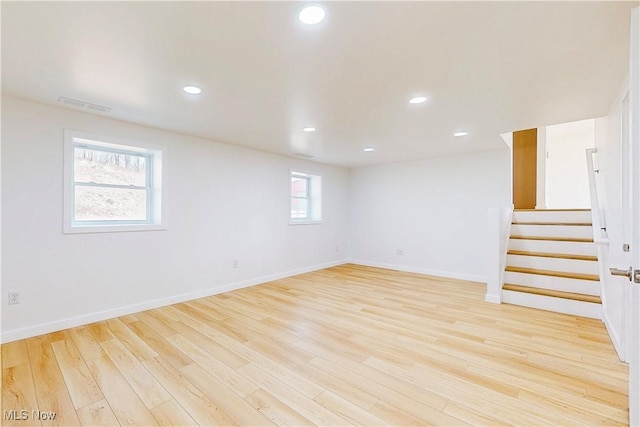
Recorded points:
(552, 293)
(552, 210)
(553, 255)
(567, 275)
(556, 239)
(587, 224)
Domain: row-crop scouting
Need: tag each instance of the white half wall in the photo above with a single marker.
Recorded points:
(225, 203)
(434, 212)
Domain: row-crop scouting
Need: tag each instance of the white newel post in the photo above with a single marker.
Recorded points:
(499, 228)
(493, 275)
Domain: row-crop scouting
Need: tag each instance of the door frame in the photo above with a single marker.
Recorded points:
(634, 124)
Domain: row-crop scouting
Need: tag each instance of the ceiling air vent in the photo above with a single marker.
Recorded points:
(304, 156)
(84, 105)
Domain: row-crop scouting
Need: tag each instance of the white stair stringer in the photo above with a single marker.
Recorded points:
(577, 286)
(558, 305)
(554, 264)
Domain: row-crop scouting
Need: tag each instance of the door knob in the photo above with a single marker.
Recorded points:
(631, 274)
(618, 272)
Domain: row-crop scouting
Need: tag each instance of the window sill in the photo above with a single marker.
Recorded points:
(305, 222)
(119, 228)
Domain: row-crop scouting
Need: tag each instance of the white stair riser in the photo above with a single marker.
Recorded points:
(554, 264)
(572, 231)
(552, 216)
(575, 248)
(578, 286)
(559, 305)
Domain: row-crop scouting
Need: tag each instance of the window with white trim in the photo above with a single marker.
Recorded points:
(111, 185)
(306, 198)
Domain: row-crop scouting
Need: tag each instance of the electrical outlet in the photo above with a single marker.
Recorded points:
(399, 251)
(14, 298)
(337, 248)
(235, 263)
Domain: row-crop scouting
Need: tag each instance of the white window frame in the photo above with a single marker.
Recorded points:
(155, 180)
(313, 197)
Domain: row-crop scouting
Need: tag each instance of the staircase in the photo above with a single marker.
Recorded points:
(551, 262)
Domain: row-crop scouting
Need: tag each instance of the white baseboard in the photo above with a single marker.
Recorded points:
(58, 325)
(409, 269)
(614, 336)
(494, 299)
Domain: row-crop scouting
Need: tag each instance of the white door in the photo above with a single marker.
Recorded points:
(631, 219)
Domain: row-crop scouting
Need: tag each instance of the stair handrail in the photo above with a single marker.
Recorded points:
(597, 214)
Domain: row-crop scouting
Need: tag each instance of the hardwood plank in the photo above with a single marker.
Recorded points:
(347, 410)
(130, 340)
(81, 385)
(18, 394)
(279, 413)
(125, 403)
(47, 376)
(555, 239)
(97, 414)
(293, 380)
(470, 416)
(14, 354)
(191, 398)
(100, 332)
(237, 408)
(144, 384)
(564, 224)
(552, 210)
(236, 382)
(170, 413)
(394, 415)
(160, 345)
(86, 343)
(297, 360)
(553, 255)
(207, 343)
(61, 405)
(50, 387)
(552, 293)
(569, 275)
(300, 403)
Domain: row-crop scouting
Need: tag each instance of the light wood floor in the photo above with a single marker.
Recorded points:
(346, 345)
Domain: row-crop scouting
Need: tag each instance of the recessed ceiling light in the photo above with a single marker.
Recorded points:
(309, 129)
(192, 90)
(369, 149)
(311, 15)
(461, 133)
(418, 100)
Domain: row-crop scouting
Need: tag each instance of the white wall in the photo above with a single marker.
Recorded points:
(608, 143)
(566, 183)
(434, 210)
(225, 203)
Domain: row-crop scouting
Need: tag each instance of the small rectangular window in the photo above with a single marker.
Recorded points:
(111, 186)
(305, 195)
(300, 197)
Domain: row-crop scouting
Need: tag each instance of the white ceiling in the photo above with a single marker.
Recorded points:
(487, 67)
